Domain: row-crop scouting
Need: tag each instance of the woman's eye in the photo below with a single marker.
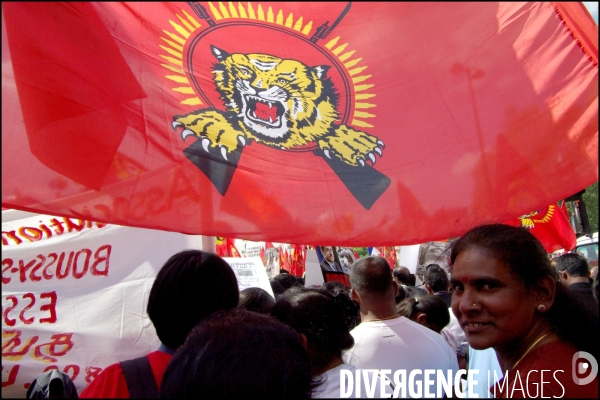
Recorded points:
(488, 286)
(458, 289)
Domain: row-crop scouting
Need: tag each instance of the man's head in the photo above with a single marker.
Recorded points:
(372, 282)
(436, 279)
(328, 253)
(190, 286)
(402, 275)
(573, 268)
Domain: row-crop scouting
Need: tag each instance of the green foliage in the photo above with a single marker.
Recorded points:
(590, 198)
(361, 251)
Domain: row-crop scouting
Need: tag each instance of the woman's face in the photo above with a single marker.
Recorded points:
(490, 302)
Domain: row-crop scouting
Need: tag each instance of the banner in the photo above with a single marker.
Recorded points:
(384, 123)
(75, 292)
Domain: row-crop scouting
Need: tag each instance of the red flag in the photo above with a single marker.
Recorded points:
(226, 247)
(262, 255)
(232, 251)
(221, 246)
(298, 263)
(281, 257)
(550, 225)
(185, 116)
(389, 253)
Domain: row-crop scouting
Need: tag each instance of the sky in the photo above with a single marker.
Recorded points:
(592, 7)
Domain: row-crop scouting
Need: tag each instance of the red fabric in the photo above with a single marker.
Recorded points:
(551, 358)
(389, 253)
(493, 105)
(225, 247)
(232, 251)
(298, 265)
(111, 381)
(551, 226)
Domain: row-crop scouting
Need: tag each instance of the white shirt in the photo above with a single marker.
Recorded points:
(454, 327)
(401, 344)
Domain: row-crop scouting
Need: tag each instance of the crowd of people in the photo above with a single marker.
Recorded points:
(504, 303)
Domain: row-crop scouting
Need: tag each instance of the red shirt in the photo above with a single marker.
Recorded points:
(111, 381)
(545, 372)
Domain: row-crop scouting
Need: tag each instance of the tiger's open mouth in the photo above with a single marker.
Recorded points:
(264, 111)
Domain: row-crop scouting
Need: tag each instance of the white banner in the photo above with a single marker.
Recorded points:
(74, 294)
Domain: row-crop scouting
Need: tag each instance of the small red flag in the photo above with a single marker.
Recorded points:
(232, 251)
(550, 225)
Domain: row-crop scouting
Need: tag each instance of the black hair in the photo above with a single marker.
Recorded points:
(518, 249)
(335, 287)
(574, 264)
(276, 287)
(403, 275)
(256, 299)
(286, 280)
(371, 275)
(323, 318)
(431, 305)
(191, 285)
(436, 278)
(401, 295)
(239, 354)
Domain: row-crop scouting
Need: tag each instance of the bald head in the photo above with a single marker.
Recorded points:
(371, 276)
(402, 275)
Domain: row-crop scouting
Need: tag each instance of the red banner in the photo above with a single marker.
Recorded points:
(551, 226)
(340, 123)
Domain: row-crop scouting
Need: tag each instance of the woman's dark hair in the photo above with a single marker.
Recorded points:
(256, 299)
(431, 305)
(322, 317)
(527, 259)
(190, 286)
(335, 287)
(239, 354)
(286, 280)
(276, 287)
(351, 309)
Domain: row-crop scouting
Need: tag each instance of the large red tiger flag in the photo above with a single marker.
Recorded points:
(323, 123)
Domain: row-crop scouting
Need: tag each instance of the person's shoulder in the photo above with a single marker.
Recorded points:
(110, 383)
(554, 358)
(421, 335)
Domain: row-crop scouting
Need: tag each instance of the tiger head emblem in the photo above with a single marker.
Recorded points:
(277, 102)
